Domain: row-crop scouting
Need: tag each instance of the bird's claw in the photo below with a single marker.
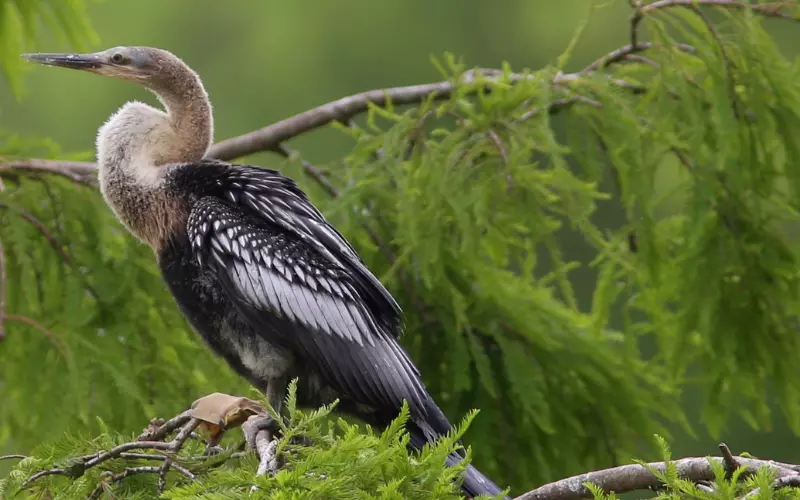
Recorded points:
(256, 424)
(260, 432)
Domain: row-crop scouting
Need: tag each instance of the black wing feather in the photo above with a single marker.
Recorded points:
(277, 199)
(277, 273)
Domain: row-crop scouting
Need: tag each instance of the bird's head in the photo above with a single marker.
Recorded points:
(145, 66)
(181, 132)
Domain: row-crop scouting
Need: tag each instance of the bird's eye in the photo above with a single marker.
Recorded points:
(118, 58)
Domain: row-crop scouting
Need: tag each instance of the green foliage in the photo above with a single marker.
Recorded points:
(480, 211)
(343, 461)
(487, 206)
(19, 20)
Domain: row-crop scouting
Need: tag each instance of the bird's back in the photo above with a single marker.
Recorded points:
(264, 275)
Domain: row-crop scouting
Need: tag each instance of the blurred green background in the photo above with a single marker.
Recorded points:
(264, 61)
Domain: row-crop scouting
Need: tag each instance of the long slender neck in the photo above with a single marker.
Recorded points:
(137, 143)
(138, 139)
(188, 112)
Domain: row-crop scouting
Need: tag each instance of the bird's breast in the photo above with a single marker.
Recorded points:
(149, 211)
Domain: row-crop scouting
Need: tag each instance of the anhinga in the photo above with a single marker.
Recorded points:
(267, 282)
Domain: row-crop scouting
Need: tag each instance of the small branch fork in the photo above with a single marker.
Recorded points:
(152, 439)
(150, 445)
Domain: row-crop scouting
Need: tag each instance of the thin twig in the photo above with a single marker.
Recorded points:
(142, 456)
(32, 322)
(158, 430)
(44, 473)
(635, 19)
(310, 169)
(13, 457)
(51, 239)
(115, 478)
(498, 144)
(627, 51)
(730, 462)
(557, 105)
(183, 470)
(162, 475)
(134, 445)
(36, 223)
(183, 435)
(730, 77)
(3, 289)
(182, 420)
(772, 9)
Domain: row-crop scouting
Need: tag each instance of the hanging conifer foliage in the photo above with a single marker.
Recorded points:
(466, 198)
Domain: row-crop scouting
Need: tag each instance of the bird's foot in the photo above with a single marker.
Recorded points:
(260, 433)
(255, 425)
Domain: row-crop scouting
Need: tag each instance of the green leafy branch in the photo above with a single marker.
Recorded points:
(325, 456)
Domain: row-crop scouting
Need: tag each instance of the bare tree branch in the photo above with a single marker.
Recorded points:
(78, 171)
(627, 478)
(341, 110)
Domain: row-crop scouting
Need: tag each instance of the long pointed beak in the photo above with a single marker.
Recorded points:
(72, 61)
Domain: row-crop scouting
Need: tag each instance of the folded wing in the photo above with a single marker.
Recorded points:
(294, 280)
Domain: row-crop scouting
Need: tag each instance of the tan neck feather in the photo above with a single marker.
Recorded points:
(189, 110)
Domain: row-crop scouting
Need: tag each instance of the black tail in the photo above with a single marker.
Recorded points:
(474, 482)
